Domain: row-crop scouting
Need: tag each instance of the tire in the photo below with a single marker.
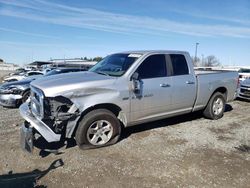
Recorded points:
(215, 107)
(98, 128)
(26, 95)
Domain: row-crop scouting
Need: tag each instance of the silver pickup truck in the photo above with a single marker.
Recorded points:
(122, 90)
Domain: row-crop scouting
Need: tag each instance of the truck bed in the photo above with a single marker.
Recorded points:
(209, 80)
(199, 72)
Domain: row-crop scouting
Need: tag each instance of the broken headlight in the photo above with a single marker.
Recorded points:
(57, 112)
(11, 90)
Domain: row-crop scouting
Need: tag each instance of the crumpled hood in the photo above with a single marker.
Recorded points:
(246, 82)
(18, 83)
(71, 83)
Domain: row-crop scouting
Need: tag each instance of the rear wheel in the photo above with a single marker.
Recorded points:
(98, 128)
(215, 107)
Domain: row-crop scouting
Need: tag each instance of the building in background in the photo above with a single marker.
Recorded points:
(73, 62)
(7, 66)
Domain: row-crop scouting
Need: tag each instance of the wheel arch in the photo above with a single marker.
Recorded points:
(222, 90)
(115, 109)
(108, 106)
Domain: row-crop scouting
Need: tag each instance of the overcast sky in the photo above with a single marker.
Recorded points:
(42, 29)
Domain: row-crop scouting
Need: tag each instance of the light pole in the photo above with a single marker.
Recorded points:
(202, 59)
(196, 47)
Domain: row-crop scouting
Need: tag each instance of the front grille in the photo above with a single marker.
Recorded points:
(245, 90)
(37, 102)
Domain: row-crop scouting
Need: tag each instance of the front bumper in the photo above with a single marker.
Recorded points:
(244, 95)
(38, 125)
(9, 100)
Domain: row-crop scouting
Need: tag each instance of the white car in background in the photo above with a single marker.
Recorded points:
(21, 76)
(244, 73)
(244, 89)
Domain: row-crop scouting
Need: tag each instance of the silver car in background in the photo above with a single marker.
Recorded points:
(12, 94)
(23, 75)
(244, 89)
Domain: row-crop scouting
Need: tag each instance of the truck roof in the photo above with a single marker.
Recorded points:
(144, 52)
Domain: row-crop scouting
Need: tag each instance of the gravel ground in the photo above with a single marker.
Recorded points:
(187, 151)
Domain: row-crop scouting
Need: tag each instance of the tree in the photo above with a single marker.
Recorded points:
(196, 61)
(97, 58)
(211, 61)
(1, 60)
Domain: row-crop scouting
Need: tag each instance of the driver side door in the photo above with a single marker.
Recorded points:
(154, 99)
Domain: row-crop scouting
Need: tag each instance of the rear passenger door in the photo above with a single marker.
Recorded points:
(184, 84)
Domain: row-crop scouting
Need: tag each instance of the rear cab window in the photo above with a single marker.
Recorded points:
(179, 64)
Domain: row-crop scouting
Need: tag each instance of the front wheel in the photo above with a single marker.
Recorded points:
(215, 107)
(98, 128)
(26, 95)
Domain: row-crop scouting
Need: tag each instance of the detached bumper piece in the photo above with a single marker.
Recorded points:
(27, 137)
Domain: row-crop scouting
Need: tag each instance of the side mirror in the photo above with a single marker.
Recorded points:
(135, 76)
(136, 83)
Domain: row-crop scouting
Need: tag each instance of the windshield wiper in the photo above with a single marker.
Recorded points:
(103, 73)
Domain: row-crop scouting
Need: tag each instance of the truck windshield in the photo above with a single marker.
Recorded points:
(115, 65)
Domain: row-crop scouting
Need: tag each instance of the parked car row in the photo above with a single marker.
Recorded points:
(14, 93)
(23, 75)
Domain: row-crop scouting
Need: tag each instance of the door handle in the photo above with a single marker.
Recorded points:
(164, 85)
(190, 82)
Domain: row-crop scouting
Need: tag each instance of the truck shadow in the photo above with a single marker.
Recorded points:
(52, 148)
(165, 122)
(27, 179)
(159, 124)
(228, 108)
(242, 100)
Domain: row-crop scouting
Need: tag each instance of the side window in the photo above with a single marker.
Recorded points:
(37, 73)
(179, 64)
(31, 73)
(152, 67)
(34, 73)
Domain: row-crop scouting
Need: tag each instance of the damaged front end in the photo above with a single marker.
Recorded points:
(54, 118)
(59, 112)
